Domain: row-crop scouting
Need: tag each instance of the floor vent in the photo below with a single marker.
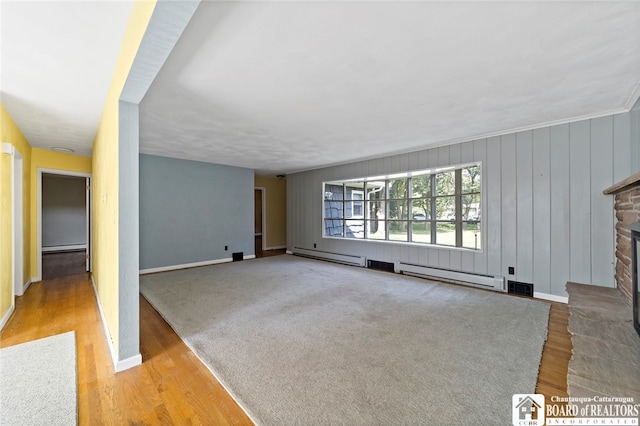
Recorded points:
(379, 265)
(521, 289)
(237, 256)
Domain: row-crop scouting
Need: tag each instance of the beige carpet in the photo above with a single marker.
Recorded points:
(38, 382)
(304, 342)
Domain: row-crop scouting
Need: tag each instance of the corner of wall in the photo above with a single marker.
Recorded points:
(10, 133)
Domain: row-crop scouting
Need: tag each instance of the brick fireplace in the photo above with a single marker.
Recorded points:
(627, 207)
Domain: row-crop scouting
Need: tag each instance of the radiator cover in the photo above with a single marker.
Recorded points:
(334, 257)
(491, 282)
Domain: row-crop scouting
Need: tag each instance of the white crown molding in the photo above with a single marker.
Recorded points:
(633, 97)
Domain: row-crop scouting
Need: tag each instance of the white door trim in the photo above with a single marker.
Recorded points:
(17, 222)
(39, 172)
(17, 200)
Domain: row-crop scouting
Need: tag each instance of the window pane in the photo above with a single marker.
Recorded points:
(421, 186)
(355, 229)
(355, 195)
(471, 179)
(376, 229)
(333, 209)
(376, 190)
(398, 209)
(375, 209)
(471, 235)
(397, 230)
(333, 228)
(333, 191)
(421, 209)
(471, 207)
(445, 233)
(397, 188)
(421, 232)
(445, 183)
(446, 208)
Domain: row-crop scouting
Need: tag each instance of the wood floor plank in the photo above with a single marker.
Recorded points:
(170, 387)
(552, 376)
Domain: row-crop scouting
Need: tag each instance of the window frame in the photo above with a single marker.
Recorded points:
(406, 219)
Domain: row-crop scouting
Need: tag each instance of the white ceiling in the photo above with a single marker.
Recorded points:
(57, 61)
(287, 86)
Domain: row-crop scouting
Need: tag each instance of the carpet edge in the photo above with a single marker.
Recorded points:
(222, 382)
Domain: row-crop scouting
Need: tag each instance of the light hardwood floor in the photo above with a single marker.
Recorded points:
(172, 386)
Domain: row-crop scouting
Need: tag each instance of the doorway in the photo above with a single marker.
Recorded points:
(63, 214)
(259, 228)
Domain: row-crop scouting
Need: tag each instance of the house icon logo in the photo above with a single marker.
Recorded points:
(528, 409)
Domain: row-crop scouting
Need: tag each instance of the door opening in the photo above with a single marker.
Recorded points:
(63, 223)
(259, 228)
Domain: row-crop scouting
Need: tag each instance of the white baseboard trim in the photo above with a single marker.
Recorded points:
(551, 297)
(249, 256)
(64, 248)
(124, 364)
(289, 252)
(6, 316)
(26, 285)
(128, 363)
(276, 248)
(184, 266)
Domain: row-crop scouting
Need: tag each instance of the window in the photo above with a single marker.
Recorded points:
(429, 207)
(357, 205)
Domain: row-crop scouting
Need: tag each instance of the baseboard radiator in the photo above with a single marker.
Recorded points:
(334, 257)
(477, 280)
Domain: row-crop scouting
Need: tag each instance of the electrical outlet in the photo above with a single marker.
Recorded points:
(512, 270)
(226, 248)
(314, 245)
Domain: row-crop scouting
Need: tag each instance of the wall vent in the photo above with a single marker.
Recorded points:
(380, 266)
(522, 289)
(237, 256)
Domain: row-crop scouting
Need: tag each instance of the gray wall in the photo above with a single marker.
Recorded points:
(128, 259)
(64, 211)
(543, 208)
(190, 210)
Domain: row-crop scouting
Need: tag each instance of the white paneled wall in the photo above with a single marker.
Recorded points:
(543, 208)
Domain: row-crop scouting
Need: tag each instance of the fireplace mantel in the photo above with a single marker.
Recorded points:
(623, 185)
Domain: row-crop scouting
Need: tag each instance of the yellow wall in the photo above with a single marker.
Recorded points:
(276, 220)
(43, 158)
(105, 175)
(9, 132)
